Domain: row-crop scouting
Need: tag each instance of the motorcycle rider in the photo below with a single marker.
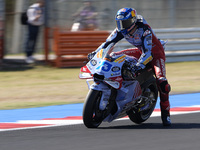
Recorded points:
(149, 49)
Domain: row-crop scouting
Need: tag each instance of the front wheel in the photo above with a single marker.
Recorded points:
(92, 116)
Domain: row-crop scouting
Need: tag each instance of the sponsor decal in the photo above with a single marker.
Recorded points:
(148, 60)
(149, 40)
(160, 67)
(89, 67)
(146, 33)
(85, 69)
(100, 53)
(133, 13)
(120, 17)
(120, 59)
(123, 10)
(136, 37)
(163, 66)
(115, 74)
(118, 79)
(115, 69)
(105, 66)
(128, 15)
(93, 62)
(108, 59)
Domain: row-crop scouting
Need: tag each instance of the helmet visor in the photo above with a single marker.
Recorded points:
(124, 24)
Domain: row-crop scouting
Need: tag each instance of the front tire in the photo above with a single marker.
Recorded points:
(92, 116)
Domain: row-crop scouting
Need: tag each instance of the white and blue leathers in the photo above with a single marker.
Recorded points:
(141, 38)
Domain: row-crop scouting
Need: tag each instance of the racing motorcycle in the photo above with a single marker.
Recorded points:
(115, 91)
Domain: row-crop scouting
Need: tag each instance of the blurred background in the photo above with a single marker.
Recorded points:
(175, 20)
(59, 13)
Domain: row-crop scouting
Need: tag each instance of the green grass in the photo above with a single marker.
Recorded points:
(184, 77)
(43, 85)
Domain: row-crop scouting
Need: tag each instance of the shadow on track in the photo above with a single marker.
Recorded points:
(156, 126)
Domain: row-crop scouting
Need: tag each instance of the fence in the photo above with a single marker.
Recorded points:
(183, 45)
(72, 48)
(158, 13)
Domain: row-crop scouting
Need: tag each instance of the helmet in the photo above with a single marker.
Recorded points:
(126, 19)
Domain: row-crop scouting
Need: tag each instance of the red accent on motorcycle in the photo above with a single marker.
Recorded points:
(119, 79)
(137, 90)
(85, 69)
(85, 73)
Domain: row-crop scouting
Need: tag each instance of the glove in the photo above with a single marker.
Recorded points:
(136, 69)
(91, 55)
(132, 68)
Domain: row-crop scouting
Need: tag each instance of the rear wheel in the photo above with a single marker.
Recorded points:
(143, 112)
(92, 115)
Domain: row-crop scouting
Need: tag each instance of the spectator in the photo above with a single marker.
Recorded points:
(85, 17)
(35, 15)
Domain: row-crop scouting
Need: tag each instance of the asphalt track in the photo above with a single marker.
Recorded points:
(184, 134)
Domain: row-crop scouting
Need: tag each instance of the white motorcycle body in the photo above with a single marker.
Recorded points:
(106, 72)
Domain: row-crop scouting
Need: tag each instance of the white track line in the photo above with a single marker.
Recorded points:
(55, 123)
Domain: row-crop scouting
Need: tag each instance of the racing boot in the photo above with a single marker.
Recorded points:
(165, 114)
(164, 89)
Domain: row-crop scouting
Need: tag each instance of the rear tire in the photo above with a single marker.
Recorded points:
(92, 116)
(141, 116)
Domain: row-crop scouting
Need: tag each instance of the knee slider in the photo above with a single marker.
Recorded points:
(165, 86)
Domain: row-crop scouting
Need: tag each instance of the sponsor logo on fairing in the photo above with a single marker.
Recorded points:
(120, 59)
(115, 74)
(104, 66)
(115, 69)
(89, 66)
(93, 62)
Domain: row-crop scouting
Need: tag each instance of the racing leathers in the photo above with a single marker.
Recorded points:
(148, 50)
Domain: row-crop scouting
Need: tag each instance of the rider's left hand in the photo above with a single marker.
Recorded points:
(136, 69)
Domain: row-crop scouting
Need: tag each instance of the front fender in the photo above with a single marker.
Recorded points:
(100, 86)
(106, 92)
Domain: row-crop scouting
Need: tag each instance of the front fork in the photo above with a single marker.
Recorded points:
(106, 92)
(108, 97)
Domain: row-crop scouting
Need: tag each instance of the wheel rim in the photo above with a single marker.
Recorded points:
(146, 113)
